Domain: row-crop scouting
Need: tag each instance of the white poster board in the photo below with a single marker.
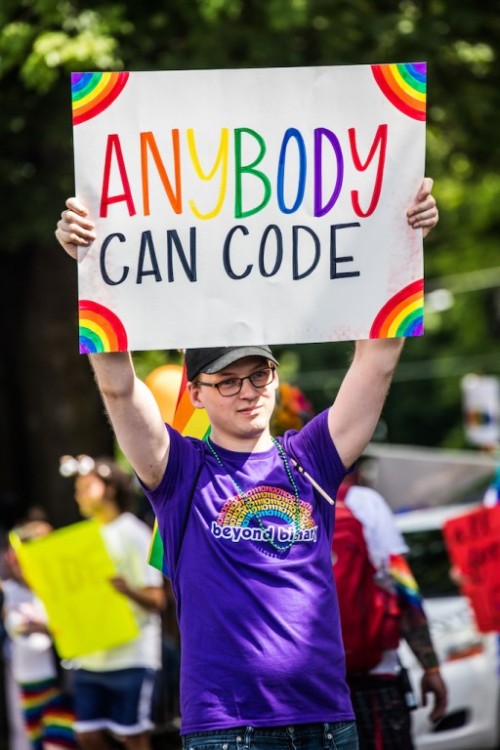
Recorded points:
(249, 206)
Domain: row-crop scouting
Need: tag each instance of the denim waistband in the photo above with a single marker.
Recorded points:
(304, 736)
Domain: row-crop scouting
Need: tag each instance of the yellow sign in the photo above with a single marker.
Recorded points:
(70, 571)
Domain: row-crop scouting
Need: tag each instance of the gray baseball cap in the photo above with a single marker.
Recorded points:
(217, 358)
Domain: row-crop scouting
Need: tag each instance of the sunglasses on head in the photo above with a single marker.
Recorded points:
(71, 466)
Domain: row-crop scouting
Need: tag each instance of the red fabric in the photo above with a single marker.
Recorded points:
(369, 614)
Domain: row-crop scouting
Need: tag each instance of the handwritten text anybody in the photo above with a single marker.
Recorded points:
(240, 257)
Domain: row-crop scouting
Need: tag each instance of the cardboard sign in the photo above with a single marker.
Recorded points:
(69, 570)
(249, 206)
(473, 542)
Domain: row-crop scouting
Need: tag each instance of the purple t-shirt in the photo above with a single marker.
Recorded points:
(260, 632)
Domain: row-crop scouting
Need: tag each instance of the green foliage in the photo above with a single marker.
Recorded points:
(42, 41)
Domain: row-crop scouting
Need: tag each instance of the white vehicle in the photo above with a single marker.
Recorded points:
(469, 659)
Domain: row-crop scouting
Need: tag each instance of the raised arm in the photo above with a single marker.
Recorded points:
(359, 402)
(358, 405)
(134, 415)
(131, 407)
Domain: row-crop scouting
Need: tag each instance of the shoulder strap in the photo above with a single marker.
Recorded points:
(314, 483)
(189, 505)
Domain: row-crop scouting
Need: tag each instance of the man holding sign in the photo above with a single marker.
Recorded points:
(247, 538)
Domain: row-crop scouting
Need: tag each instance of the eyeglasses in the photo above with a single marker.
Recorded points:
(232, 386)
(70, 466)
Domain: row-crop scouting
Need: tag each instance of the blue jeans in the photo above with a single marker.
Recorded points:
(337, 736)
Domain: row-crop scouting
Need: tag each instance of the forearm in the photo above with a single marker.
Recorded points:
(417, 635)
(381, 355)
(414, 624)
(114, 372)
(117, 383)
(134, 415)
(152, 599)
(357, 408)
(373, 366)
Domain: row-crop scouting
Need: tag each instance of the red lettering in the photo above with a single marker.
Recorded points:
(380, 144)
(113, 146)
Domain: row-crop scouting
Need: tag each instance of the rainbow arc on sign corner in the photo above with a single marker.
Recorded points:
(405, 86)
(402, 314)
(100, 329)
(92, 93)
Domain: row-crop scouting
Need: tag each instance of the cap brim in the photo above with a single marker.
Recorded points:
(228, 358)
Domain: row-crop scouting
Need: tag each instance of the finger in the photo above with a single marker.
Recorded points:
(425, 188)
(438, 711)
(427, 218)
(423, 206)
(73, 204)
(75, 219)
(66, 236)
(423, 197)
(71, 247)
(71, 234)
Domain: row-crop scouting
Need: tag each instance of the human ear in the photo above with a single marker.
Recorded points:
(194, 395)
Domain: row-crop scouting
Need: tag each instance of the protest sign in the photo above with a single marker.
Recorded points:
(249, 206)
(70, 571)
(481, 409)
(473, 542)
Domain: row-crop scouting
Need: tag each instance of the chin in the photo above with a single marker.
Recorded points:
(256, 428)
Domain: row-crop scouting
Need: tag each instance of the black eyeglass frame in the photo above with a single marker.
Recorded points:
(272, 371)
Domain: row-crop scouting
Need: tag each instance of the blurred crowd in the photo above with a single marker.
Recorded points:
(48, 701)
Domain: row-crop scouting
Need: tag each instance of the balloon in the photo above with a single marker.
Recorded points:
(165, 382)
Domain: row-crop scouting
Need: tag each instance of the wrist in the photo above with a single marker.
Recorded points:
(432, 670)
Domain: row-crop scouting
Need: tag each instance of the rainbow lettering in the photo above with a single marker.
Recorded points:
(402, 315)
(100, 329)
(324, 142)
(405, 86)
(92, 93)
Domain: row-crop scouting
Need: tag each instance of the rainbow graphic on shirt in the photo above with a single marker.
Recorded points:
(405, 86)
(190, 422)
(242, 519)
(92, 93)
(100, 330)
(265, 502)
(402, 314)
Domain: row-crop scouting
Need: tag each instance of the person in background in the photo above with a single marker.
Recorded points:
(113, 689)
(46, 706)
(247, 539)
(382, 698)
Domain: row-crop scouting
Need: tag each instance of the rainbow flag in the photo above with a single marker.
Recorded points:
(406, 585)
(192, 423)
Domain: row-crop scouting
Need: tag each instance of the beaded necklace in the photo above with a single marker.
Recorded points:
(248, 502)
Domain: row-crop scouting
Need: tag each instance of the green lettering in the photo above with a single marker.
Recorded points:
(249, 169)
